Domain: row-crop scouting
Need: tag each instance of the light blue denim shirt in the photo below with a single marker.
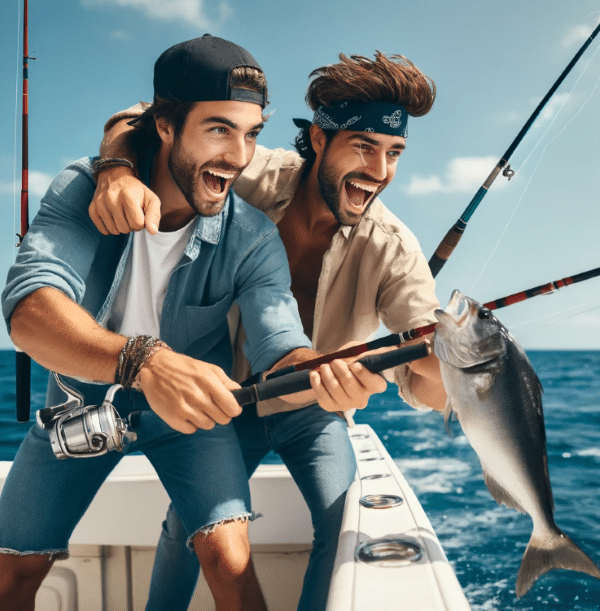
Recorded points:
(236, 256)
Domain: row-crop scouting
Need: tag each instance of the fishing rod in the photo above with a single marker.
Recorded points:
(398, 338)
(23, 361)
(295, 381)
(451, 239)
(77, 430)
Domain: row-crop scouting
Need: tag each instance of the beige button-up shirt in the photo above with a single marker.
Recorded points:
(372, 272)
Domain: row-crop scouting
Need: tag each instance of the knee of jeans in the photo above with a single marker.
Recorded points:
(225, 550)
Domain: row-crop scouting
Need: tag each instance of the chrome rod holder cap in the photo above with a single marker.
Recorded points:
(388, 552)
(380, 501)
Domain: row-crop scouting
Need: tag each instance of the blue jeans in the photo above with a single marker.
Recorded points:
(44, 498)
(315, 447)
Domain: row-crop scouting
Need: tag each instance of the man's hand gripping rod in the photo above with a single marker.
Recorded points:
(300, 380)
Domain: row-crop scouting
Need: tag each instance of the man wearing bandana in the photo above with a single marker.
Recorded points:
(353, 265)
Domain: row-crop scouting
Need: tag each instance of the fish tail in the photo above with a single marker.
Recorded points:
(543, 555)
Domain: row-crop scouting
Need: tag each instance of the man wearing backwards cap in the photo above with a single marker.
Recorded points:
(149, 312)
(352, 262)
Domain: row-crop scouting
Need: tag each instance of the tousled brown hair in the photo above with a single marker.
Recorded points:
(393, 79)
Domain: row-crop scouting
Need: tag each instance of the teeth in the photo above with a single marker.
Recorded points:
(221, 174)
(369, 188)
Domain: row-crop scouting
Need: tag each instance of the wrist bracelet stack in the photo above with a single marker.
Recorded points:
(110, 162)
(134, 354)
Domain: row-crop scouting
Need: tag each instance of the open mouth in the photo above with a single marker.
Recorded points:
(458, 308)
(359, 193)
(217, 181)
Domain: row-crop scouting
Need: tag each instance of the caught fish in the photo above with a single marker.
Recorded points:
(497, 397)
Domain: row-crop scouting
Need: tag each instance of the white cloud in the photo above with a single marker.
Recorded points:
(576, 36)
(462, 175)
(552, 107)
(120, 35)
(190, 11)
(38, 184)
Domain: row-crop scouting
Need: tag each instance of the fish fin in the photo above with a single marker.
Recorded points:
(448, 413)
(546, 553)
(499, 493)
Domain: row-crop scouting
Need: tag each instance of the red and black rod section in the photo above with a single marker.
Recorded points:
(542, 289)
(398, 338)
(451, 239)
(23, 361)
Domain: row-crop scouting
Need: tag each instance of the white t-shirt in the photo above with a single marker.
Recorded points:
(138, 304)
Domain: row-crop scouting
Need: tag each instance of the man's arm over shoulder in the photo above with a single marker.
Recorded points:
(133, 112)
(270, 180)
(122, 203)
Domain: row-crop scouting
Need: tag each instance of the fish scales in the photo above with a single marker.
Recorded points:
(511, 460)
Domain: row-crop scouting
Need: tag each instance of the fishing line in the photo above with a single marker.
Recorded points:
(552, 319)
(541, 156)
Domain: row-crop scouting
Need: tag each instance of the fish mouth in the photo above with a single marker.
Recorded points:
(458, 309)
(467, 334)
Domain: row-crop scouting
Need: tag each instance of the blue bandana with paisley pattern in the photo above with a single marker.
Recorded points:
(375, 117)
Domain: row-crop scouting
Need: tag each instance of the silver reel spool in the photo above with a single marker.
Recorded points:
(81, 431)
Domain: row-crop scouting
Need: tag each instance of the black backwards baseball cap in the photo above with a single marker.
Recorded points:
(198, 71)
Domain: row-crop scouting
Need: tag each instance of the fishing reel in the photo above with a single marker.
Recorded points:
(77, 430)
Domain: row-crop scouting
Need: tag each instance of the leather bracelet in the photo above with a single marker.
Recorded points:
(110, 162)
(133, 356)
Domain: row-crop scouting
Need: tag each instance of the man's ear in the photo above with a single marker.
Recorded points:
(317, 139)
(165, 130)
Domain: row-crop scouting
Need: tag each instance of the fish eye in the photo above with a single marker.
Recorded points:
(484, 314)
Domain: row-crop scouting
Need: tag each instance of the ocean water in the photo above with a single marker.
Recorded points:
(483, 541)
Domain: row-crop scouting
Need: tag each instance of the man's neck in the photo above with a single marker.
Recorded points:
(174, 209)
(312, 210)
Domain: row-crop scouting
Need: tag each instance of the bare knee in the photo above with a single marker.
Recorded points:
(21, 577)
(225, 552)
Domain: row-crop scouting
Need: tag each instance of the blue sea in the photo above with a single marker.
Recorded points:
(484, 542)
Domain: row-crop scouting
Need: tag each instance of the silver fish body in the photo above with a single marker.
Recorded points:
(497, 397)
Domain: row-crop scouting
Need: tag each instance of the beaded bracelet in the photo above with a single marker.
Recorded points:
(134, 354)
(110, 162)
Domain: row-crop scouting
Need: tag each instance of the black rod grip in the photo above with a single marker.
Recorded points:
(300, 380)
(23, 381)
(387, 360)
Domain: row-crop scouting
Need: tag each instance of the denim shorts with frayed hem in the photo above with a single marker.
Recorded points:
(44, 498)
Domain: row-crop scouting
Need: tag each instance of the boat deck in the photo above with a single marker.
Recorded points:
(112, 549)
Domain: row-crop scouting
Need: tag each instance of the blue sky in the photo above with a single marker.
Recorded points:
(491, 60)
